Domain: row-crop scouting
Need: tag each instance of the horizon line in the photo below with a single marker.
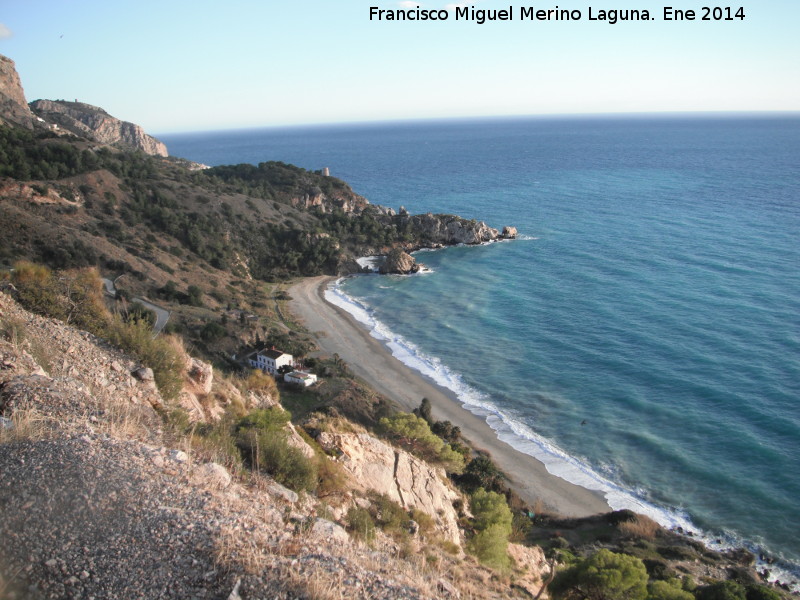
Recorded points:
(477, 118)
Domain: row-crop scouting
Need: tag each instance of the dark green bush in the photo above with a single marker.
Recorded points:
(604, 575)
(722, 590)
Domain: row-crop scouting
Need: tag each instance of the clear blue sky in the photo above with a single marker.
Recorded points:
(177, 65)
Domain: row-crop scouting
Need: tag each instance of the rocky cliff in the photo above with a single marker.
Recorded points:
(96, 124)
(13, 107)
(412, 483)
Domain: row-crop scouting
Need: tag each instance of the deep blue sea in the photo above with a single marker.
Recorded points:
(642, 337)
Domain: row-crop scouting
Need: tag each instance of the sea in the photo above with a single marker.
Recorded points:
(641, 336)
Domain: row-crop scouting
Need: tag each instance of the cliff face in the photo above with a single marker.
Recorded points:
(96, 124)
(412, 483)
(13, 107)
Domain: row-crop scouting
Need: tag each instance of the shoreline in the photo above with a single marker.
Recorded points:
(336, 331)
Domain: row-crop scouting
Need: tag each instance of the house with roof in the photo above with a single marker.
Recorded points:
(300, 378)
(270, 361)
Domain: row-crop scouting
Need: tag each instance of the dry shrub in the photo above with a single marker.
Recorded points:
(236, 551)
(333, 479)
(641, 526)
(258, 381)
(26, 424)
(317, 585)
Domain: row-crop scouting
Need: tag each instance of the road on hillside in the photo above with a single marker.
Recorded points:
(162, 314)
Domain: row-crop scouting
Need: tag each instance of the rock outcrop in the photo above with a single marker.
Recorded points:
(344, 199)
(96, 124)
(376, 466)
(400, 262)
(509, 233)
(449, 230)
(13, 107)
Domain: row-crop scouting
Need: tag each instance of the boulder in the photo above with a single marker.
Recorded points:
(530, 560)
(296, 441)
(276, 489)
(201, 375)
(215, 474)
(189, 402)
(509, 233)
(400, 262)
(330, 532)
(144, 374)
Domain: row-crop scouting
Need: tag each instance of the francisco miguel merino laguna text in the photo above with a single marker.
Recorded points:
(529, 13)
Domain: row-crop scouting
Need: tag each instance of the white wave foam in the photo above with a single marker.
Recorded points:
(370, 263)
(521, 437)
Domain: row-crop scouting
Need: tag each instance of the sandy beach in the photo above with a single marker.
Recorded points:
(337, 332)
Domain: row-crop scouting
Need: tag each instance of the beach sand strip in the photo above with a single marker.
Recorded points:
(337, 332)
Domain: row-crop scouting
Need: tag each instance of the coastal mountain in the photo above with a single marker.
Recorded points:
(13, 107)
(166, 227)
(96, 124)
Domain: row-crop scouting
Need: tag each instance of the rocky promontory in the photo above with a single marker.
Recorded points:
(13, 107)
(435, 231)
(96, 124)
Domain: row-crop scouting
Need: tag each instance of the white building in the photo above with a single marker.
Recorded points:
(270, 361)
(300, 378)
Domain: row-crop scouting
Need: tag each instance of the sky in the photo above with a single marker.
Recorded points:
(175, 66)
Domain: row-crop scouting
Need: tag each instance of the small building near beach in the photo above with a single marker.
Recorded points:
(300, 378)
(270, 361)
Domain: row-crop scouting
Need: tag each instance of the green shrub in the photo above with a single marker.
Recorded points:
(667, 590)
(424, 520)
(490, 508)
(490, 547)
(269, 452)
(37, 290)
(605, 575)
(414, 434)
(272, 419)
(332, 478)
(262, 440)
(360, 524)
(492, 524)
(217, 443)
(481, 472)
(160, 354)
(389, 515)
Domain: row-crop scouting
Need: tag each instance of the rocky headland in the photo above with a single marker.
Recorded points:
(94, 123)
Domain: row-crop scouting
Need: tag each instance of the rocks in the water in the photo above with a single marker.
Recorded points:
(399, 262)
(509, 233)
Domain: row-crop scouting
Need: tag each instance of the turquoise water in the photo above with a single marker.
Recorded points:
(643, 335)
